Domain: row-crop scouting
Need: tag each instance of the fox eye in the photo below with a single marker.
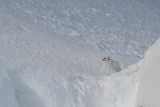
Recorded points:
(108, 58)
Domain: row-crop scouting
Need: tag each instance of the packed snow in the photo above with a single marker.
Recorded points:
(149, 84)
(51, 52)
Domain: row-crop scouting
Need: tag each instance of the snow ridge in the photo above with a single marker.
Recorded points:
(51, 51)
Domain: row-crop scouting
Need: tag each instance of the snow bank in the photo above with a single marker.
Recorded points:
(149, 80)
(7, 94)
(25, 95)
(52, 51)
(116, 90)
(49, 72)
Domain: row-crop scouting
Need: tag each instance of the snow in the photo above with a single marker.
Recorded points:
(51, 51)
(7, 98)
(149, 84)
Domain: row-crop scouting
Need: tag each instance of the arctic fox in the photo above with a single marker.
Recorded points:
(112, 64)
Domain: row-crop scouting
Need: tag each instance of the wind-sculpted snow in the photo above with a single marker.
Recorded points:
(57, 71)
(126, 28)
(149, 88)
(7, 97)
(51, 51)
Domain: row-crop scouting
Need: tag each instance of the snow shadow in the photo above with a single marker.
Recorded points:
(25, 95)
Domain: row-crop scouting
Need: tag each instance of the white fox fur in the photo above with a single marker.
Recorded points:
(112, 64)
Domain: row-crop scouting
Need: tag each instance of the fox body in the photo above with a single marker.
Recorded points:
(112, 64)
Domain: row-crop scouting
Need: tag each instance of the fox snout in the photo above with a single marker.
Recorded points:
(104, 59)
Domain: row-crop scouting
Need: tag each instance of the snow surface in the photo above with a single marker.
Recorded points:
(149, 84)
(51, 51)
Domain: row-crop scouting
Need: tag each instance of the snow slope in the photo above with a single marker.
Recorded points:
(7, 94)
(38, 77)
(51, 51)
(149, 81)
(124, 28)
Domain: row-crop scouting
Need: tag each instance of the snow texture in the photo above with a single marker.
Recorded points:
(51, 51)
(149, 84)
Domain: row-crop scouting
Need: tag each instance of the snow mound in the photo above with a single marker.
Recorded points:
(51, 51)
(7, 93)
(38, 80)
(149, 81)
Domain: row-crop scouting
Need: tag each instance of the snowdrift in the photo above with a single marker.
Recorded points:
(7, 93)
(58, 76)
(82, 88)
(51, 51)
(149, 80)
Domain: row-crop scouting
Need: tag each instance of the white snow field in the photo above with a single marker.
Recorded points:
(149, 82)
(51, 52)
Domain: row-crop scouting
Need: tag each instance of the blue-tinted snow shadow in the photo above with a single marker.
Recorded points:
(25, 95)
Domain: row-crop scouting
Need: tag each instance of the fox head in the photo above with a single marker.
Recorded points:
(106, 59)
